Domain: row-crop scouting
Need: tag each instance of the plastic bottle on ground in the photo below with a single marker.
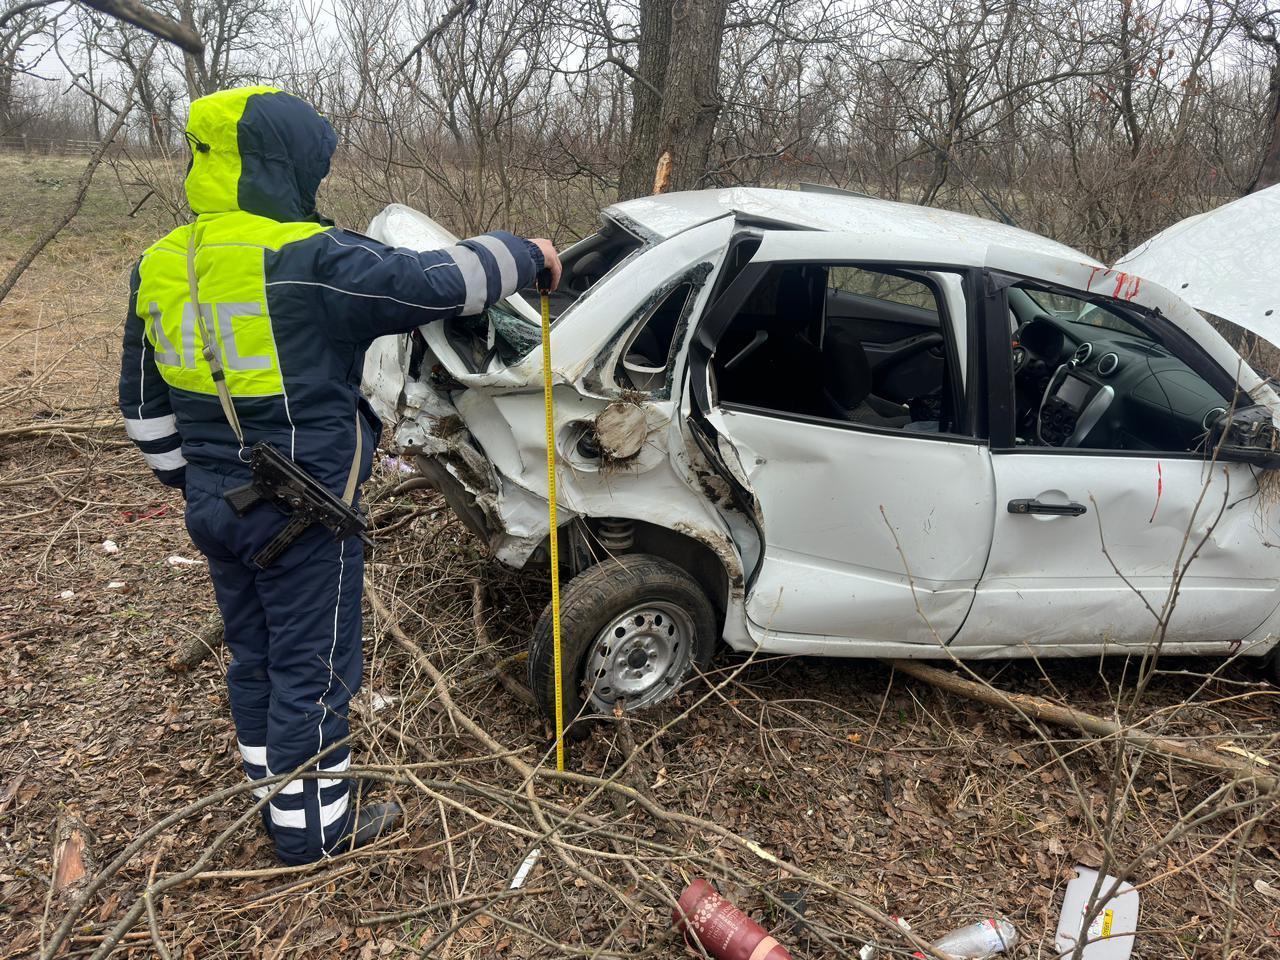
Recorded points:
(986, 938)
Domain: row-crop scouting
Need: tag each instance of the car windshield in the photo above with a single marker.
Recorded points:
(1060, 306)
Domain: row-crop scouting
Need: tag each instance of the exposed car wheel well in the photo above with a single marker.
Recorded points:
(593, 539)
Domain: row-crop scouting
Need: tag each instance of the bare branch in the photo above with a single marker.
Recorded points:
(157, 24)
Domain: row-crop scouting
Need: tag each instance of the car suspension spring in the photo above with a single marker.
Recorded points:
(617, 536)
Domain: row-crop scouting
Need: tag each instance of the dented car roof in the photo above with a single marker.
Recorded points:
(669, 214)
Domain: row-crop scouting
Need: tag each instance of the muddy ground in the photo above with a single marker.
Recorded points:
(873, 789)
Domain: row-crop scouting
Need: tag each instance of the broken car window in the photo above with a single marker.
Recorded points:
(495, 332)
(1088, 375)
(850, 344)
(647, 355)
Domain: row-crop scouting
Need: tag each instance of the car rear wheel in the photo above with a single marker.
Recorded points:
(1271, 666)
(633, 629)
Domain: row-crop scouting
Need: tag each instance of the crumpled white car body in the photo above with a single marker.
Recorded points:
(822, 534)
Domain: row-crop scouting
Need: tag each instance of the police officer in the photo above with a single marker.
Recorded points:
(291, 303)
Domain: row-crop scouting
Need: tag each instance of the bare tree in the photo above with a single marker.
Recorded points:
(1262, 27)
(121, 114)
(19, 25)
(235, 34)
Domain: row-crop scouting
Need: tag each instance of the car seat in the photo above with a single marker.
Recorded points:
(846, 383)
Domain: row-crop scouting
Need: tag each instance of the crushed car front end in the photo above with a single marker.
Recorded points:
(465, 399)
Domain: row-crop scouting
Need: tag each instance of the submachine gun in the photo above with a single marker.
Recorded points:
(279, 481)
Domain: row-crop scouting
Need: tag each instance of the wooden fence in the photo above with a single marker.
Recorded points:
(47, 146)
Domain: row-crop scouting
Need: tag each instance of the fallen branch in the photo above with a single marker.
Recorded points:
(489, 898)
(73, 864)
(44, 429)
(276, 782)
(1060, 716)
(547, 834)
(198, 647)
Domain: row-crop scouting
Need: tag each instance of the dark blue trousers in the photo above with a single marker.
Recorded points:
(294, 635)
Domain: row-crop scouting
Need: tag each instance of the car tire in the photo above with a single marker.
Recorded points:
(1271, 666)
(622, 590)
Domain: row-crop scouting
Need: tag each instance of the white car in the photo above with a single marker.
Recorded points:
(823, 424)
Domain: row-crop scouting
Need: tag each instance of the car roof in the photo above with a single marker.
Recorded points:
(667, 214)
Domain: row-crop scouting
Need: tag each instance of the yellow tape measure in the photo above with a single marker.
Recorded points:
(551, 515)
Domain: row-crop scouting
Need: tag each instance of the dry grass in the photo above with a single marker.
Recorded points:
(870, 790)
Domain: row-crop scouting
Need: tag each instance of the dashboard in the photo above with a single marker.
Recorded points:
(1078, 384)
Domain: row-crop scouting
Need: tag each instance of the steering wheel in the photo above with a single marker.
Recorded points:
(1021, 357)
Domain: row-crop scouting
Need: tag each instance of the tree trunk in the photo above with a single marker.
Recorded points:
(194, 71)
(691, 95)
(1269, 172)
(6, 97)
(636, 178)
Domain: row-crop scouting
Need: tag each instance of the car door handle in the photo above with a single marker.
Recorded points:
(1051, 509)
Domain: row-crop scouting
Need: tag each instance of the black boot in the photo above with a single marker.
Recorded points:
(372, 821)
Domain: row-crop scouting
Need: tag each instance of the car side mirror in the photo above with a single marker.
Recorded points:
(1248, 435)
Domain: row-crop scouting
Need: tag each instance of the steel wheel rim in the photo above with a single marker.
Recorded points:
(640, 657)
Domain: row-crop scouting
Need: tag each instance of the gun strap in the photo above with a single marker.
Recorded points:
(209, 350)
(353, 475)
(209, 346)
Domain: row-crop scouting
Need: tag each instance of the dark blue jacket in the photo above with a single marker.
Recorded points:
(291, 301)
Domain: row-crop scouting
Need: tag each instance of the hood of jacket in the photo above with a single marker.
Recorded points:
(259, 150)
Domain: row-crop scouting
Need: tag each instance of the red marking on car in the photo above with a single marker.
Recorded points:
(1093, 273)
(1159, 491)
(1127, 286)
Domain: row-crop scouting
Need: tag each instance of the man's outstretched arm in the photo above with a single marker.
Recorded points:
(370, 289)
(144, 400)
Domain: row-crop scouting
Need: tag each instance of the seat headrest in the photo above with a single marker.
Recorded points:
(801, 297)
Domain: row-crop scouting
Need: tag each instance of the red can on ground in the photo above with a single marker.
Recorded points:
(723, 930)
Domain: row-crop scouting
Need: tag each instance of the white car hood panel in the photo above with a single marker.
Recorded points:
(1225, 262)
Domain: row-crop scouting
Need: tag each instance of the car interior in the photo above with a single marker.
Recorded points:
(840, 343)
(1093, 375)
(586, 262)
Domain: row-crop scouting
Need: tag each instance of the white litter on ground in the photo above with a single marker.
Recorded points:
(177, 561)
(523, 873)
(110, 546)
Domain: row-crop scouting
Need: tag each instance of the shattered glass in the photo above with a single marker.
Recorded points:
(513, 336)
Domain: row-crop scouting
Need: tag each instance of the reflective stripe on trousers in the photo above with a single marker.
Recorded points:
(294, 634)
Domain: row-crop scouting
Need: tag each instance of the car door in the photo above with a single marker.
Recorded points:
(1091, 540)
(873, 532)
